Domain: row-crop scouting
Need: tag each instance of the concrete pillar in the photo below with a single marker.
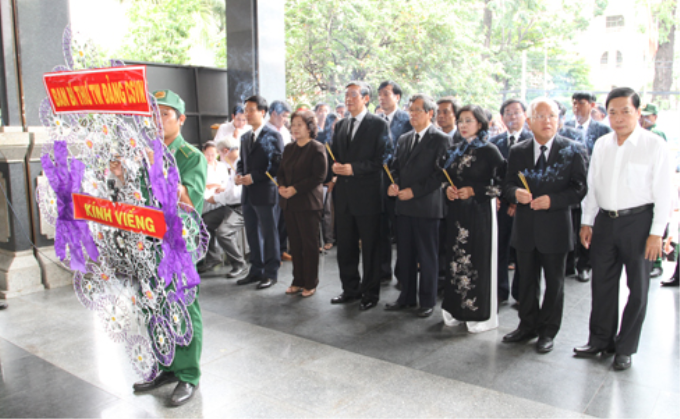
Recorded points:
(256, 49)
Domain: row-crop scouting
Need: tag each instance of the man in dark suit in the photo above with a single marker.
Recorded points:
(260, 154)
(590, 130)
(389, 95)
(419, 206)
(542, 233)
(513, 112)
(359, 143)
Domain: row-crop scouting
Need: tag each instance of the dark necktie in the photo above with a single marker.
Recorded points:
(542, 162)
(415, 143)
(351, 129)
(580, 128)
(511, 141)
(252, 139)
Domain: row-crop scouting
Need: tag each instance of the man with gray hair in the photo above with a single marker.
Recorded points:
(419, 207)
(545, 177)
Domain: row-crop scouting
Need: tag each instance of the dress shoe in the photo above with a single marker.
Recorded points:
(424, 311)
(518, 335)
(3, 305)
(182, 393)
(250, 279)
(342, 299)
(583, 276)
(286, 257)
(656, 272)
(396, 306)
(236, 272)
(386, 280)
(544, 345)
(266, 283)
(622, 362)
(367, 305)
(589, 350)
(206, 267)
(673, 282)
(165, 377)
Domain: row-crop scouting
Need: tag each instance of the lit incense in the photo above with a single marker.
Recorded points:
(388, 173)
(448, 177)
(524, 181)
(270, 177)
(330, 152)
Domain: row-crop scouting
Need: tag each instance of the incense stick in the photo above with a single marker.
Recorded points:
(270, 177)
(524, 181)
(448, 177)
(388, 173)
(330, 152)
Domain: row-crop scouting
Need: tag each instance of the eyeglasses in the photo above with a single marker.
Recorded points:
(541, 117)
(415, 111)
(353, 94)
(513, 114)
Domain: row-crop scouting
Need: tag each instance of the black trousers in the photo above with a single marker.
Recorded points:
(350, 230)
(283, 232)
(617, 243)
(387, 230)
(504, 233)
(578, 260)
(545, 319)
(418, 243)
(303, 235)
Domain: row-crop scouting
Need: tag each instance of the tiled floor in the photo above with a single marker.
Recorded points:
(271, 355)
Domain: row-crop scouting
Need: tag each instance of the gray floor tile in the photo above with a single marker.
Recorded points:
(618, 398)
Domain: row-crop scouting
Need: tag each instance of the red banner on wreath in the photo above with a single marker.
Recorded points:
(120, 90)
(148, 221)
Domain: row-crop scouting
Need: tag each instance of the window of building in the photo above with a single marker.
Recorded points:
(619, 59)
(615, 23)
(604, 60)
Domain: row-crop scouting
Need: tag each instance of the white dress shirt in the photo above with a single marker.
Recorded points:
(585, 125)
(226, 131)
(637, 173)
(285, 134)
(222, 174)
(537, 149)
(390, 117)
(357, 121)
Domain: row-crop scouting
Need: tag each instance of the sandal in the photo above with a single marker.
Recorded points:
(308, 293)
(293, 290)
(328, 246)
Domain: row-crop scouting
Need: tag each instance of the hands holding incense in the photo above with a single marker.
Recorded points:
(342, 169)
(453, 193)
(402, 195)
(524, 197)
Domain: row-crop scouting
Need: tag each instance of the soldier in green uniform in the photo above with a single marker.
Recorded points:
(193, 169)
(648, 120)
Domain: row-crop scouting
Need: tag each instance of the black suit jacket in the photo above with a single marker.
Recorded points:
(360, 194)
(501, 141)
(254, 161)
(548, 231)
(400, 125)
(417, 170)
(595, 131)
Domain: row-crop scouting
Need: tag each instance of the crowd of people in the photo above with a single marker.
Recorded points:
(465, 195)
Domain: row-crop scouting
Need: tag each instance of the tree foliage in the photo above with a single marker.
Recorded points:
(469, 48)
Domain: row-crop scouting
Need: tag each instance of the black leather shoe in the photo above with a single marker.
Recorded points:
(583, 276)
(673, 282)
(656, 272)
(622, 362)
(589, 350)
(165, 377)
(396, 306)
(544, 345)
(249, 280)
(235, 273)
(182, 394)
(424, 311)
(266, 283)
(3, 305)
(518, 335)
(342, 299)
(367, 305)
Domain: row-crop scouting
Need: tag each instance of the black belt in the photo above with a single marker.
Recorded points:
(628, 211)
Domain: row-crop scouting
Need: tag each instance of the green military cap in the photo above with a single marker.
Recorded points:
(171, 99)
(650, 109)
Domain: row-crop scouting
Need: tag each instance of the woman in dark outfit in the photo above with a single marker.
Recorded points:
(301, 173)
(477, 170)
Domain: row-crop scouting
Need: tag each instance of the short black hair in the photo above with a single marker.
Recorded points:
(238, 108)
(561, 107)
(601, 108)
(624, 92)
(452, 100)
(279, 106)
(488, 114)
(395, 88)
(584, 96)
(428, 102)
(319, 105)
(510, 102)
(260, 102)
(478, 113)
(364, 88)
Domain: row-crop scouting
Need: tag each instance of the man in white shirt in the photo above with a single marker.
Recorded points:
(624, 215)
(234, 129)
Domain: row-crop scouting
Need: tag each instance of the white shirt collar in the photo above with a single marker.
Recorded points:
(390, 117)
(632, 138)
(537, 148)
(359, 117)
(422, 133)
(585, 125)
(515, 134)
(258, 131)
